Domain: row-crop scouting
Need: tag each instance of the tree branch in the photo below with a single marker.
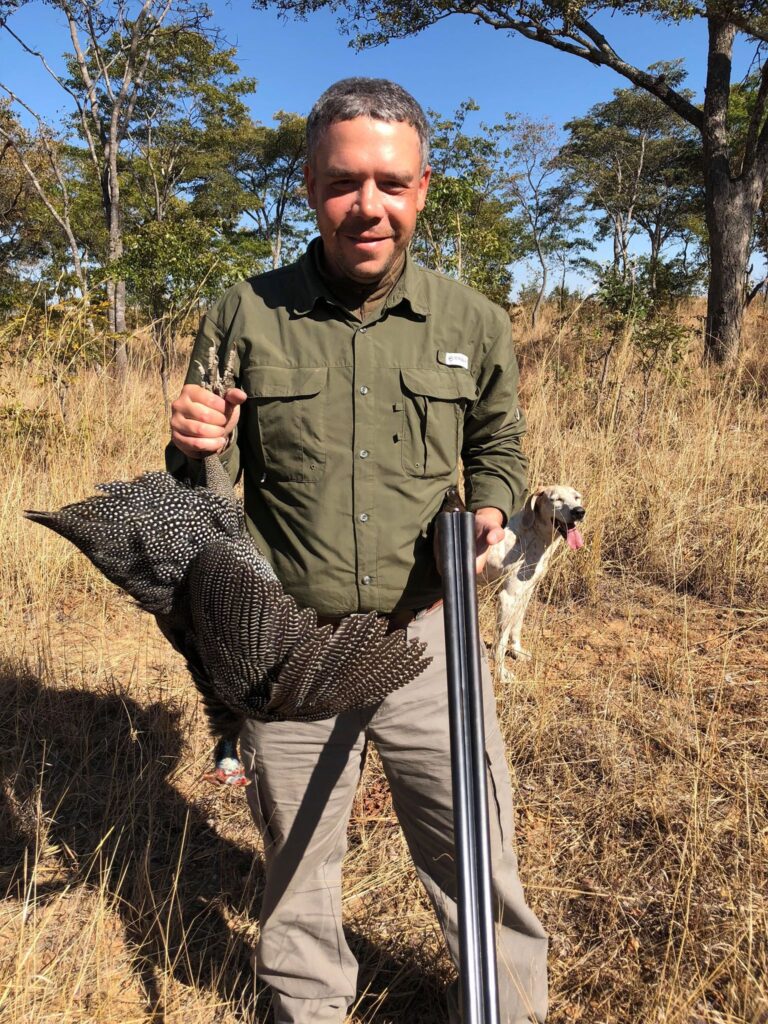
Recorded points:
(90, 88)
(754, 292)
(62, 219)
(755, 122)
(591, 45)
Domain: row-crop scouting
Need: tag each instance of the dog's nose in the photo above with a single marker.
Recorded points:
(578, 513)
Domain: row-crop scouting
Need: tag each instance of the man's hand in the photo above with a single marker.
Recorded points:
(489, 530)
(201, 422)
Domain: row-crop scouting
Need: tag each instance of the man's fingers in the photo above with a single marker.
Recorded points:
(495, 535)
(199, 447)
(193, 426)
(235, 396)
(201, 422)
(234, 399)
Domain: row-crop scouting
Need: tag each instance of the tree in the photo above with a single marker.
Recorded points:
(268, 165)
(113, 44)
(173, 264)
(743, 98)
(188, 120)
(22, 216)
(638, 168)
(545, 208)
(734, 182)
(466, 229)
(41, 157)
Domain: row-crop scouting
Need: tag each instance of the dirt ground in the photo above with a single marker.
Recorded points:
(631, 733)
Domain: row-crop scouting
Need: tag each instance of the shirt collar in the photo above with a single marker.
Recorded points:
(409, 287)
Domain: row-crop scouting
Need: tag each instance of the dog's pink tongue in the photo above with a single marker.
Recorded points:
(575, 540)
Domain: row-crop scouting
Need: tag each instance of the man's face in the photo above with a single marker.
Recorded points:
(366, 186)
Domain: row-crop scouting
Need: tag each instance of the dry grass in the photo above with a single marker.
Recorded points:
(637, 736)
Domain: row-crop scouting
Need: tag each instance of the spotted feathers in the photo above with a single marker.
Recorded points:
(183, 554)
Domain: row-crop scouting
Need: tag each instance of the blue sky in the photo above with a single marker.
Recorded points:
(294, 61)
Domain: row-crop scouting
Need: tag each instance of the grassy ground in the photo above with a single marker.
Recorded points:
(637, 734)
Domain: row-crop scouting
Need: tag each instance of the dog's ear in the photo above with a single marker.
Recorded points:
(529, 510)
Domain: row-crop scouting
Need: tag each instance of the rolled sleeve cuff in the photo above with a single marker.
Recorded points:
(490, 493)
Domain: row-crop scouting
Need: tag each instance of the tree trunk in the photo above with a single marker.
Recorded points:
(653, 260)
(729, 220)
(542, 291)
(110, 188)
(732, 201)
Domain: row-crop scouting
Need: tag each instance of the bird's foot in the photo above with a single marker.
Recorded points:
(229, 771)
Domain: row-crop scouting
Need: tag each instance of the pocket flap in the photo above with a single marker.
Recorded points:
(284, 381)
(450, 384)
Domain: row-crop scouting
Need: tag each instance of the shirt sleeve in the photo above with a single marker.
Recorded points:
(211, 332)
(495, 466)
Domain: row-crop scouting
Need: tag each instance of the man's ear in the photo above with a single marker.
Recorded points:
(421, 197)
(529, 510)
(309, 181)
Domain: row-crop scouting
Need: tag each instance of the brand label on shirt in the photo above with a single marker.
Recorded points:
(455, 359)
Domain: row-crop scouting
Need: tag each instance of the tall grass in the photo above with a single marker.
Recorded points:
(636, 735)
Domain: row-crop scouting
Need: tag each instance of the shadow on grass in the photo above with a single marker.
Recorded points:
(89, 774)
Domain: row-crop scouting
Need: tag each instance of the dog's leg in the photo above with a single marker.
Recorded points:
(518, 651)
(508, 620)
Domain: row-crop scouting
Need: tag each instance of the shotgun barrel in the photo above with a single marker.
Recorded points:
(477, 946)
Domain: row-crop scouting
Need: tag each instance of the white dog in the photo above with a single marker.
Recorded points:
(521, 559)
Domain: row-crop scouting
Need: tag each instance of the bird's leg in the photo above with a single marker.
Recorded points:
(229, 770)
(211, 379)
(215, 477)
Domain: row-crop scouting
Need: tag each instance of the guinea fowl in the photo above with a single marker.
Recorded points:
(183, 554)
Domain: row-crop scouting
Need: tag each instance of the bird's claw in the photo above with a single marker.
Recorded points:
(227, 774)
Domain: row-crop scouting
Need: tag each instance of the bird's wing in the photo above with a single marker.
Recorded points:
(267, 656)
(357, 666)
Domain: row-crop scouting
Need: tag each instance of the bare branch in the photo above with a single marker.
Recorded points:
(579, 37)
(90, 87)
(61, 218)
(41, 57)
(755, 291)
(98, 54)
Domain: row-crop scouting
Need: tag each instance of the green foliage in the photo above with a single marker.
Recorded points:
(170, 265)
(467, 229)
(266, 166)
(637, 169)
(26, 226)
(660, 341)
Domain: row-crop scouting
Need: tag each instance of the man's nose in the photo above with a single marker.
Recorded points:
(369, 200)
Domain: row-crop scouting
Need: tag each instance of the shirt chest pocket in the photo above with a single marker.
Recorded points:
(434, 402)
(285, 420)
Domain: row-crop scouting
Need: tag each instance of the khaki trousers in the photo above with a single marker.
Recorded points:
(304, 777)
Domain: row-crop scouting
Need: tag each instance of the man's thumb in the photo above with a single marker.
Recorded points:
(235, 396)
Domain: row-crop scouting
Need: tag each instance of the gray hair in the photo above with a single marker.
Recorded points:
(378, 98)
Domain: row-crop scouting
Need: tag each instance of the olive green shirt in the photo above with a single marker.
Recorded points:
(352, 430)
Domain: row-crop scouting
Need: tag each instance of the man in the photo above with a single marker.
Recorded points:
(363, 379)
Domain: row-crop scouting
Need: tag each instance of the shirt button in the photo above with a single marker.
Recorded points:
(363, 454)
(363, 389)
(363, 330)
(366, 580)
(363, 517)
